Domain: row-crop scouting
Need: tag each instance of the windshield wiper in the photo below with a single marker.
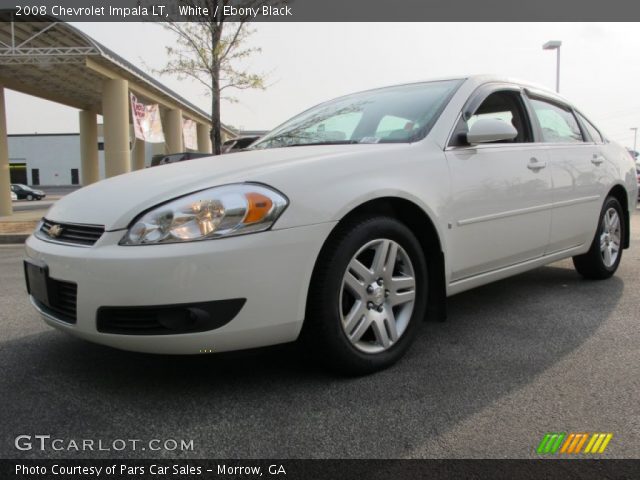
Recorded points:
(328, 142)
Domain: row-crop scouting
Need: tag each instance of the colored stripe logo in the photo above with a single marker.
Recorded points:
(573, 443)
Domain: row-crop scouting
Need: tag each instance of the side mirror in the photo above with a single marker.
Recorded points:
(488, 130)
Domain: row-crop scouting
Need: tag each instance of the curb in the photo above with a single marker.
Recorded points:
(13, 238)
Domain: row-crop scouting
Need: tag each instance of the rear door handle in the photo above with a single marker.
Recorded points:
(597, 159)
(535, 164)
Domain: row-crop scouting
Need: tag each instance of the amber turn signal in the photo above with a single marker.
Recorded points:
(258, 207)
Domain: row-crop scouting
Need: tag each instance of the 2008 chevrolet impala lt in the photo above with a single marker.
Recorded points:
(344, 227)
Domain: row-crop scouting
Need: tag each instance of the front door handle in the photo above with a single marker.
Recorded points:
(535, 164)
(597, 159)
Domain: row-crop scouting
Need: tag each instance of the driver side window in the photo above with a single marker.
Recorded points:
(506, 106)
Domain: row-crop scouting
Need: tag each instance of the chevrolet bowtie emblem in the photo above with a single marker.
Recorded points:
(55, 231)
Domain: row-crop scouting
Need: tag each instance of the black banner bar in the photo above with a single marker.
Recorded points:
(321, 469)
(321, 10)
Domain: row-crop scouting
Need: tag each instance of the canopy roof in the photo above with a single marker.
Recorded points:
(56, 61)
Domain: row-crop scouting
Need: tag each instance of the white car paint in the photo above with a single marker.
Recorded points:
(494, 216)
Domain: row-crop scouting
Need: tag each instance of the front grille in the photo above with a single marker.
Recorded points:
(62, 300)
(71, 233)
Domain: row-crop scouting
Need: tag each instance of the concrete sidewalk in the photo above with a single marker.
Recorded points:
(17, 227)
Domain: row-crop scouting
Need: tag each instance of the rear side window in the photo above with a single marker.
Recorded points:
(558, 124)
(591, 130)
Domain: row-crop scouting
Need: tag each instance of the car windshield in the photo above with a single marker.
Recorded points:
(399, 114)
(23, 187)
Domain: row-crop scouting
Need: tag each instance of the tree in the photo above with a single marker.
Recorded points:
(210, 51)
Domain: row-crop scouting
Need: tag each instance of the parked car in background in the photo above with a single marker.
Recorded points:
(238, 144)
(24, 192)
(344, 227)
(163, 159)
(14, 197)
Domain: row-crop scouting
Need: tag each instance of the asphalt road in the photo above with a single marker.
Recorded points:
(541, 352)
(53, 194)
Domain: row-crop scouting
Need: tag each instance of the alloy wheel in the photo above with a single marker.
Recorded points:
(610, 232)
(377, 296)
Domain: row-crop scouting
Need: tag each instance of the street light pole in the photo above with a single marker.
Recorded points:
(635, 138)
(558, 70)
(555, 45)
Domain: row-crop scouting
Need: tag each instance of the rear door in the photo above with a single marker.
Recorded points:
(576, 165)
(501, 192)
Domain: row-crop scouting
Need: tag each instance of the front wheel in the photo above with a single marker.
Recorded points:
(603, 258)
(367, 296)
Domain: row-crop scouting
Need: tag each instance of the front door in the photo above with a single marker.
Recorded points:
(501, 195)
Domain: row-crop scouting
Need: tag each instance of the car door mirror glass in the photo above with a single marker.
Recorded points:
(489, 130)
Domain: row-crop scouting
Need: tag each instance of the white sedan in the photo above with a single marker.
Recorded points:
(342, 228)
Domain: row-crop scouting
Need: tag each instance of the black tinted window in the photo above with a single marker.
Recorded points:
(507, 107)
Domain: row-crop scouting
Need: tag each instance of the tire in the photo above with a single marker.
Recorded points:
(604, 255)
(29, 197)
(356, 323)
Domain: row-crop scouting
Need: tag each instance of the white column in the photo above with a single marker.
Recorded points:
(115, 110)
(6, 208)
(89, 147)
(138, 155)
(204, 138)
(173, 131)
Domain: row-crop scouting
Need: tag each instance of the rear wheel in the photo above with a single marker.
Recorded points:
(367, 296)
(603, 258)
(29, 197)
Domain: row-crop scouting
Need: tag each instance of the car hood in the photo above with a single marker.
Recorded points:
(116, 201)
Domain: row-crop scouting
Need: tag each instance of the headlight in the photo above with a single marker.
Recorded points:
(213, 213)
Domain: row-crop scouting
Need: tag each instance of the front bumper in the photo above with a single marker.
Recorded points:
(271, 270)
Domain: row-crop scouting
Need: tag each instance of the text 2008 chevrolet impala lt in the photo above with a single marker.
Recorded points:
(343, 227)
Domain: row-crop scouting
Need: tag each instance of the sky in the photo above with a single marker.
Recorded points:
(307, 63)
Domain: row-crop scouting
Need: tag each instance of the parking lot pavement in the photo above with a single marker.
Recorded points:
(541, 352)
(26, 205)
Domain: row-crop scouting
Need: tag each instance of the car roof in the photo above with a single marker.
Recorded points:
(478, 80)
(475, 80)
(534, 87)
